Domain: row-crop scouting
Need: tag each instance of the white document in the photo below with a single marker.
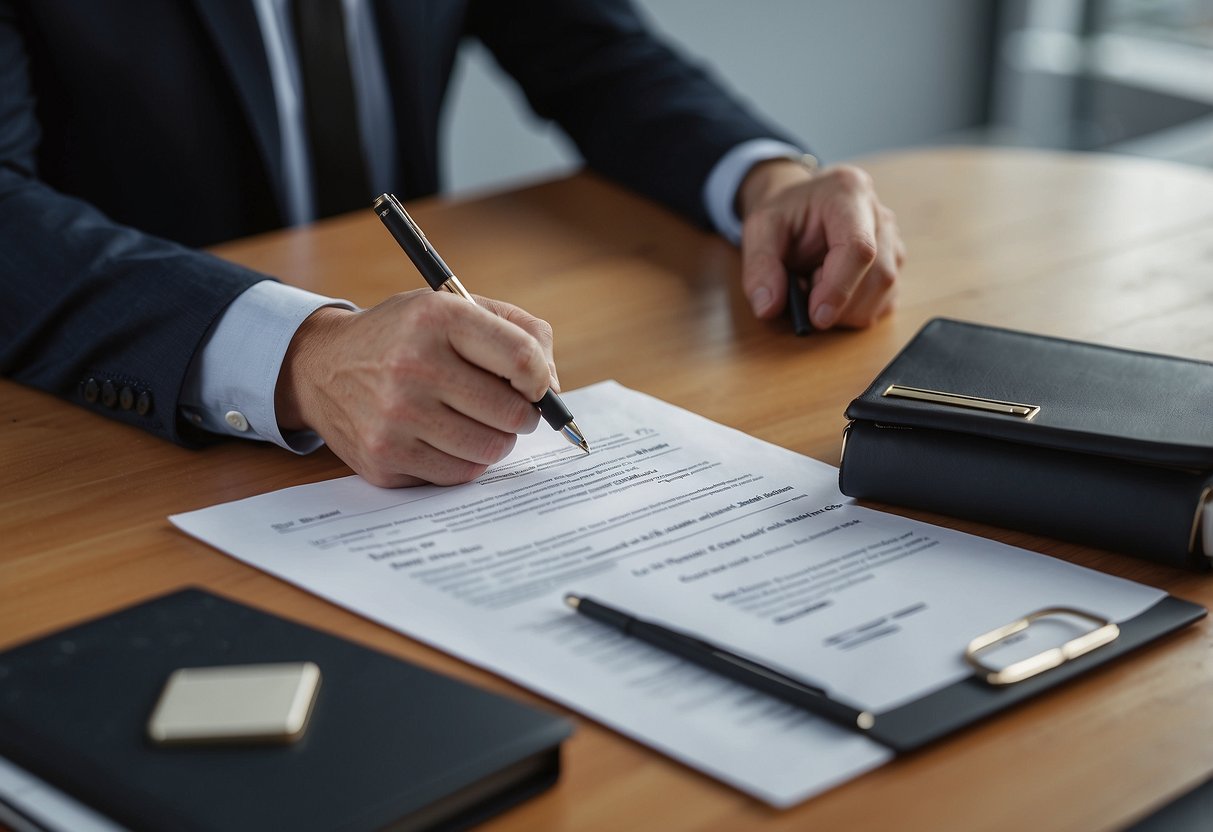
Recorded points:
(682, 520)
(29, 804)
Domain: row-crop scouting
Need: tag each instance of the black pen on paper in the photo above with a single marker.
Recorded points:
(727, 663)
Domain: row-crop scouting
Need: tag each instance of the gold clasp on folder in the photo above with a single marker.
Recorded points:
(1105, 632)
(1023, 411)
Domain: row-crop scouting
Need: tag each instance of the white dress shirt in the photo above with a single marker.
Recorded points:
(230, 385)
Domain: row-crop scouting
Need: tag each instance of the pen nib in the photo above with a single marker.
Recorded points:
(573, 434)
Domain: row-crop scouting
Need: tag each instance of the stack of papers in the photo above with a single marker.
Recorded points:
(677, 519)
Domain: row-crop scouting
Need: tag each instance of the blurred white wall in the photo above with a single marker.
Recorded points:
(847, 77)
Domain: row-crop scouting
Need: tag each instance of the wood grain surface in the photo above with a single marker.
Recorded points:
(1112, 250)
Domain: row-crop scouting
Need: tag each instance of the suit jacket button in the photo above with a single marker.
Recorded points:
(91, 390)
(143, 404)
(109, 396)
(126, 398)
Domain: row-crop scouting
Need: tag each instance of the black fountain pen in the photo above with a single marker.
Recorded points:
(441, 279)
(727, 663)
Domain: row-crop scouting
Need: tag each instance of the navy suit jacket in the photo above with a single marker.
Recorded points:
(132, 131)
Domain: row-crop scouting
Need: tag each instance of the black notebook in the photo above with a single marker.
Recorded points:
(1103, 446)
(389, 744)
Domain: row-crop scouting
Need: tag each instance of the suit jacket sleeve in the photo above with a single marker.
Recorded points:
(88, 299)
(637, 111)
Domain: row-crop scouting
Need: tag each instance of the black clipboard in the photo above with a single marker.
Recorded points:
(934, 716)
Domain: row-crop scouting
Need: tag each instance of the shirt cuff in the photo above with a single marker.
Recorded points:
(229, 388)
(720, 188)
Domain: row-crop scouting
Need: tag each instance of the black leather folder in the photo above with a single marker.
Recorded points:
(1108, 447)
(389, 745)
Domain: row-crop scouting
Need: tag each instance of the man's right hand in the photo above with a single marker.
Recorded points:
(423, 388)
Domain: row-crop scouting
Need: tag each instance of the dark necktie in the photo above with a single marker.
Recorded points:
(330, 112)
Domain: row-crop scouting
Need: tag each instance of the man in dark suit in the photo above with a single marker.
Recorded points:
(131, 132)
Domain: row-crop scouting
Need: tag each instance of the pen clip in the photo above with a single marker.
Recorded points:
(416, 228)
(410, 236)
(394, 204)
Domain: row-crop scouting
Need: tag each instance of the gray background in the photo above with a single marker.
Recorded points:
(848, 77)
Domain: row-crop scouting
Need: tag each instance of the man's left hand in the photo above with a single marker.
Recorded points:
(826, 225)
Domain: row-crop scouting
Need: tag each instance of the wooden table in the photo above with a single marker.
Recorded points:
(1106, 249)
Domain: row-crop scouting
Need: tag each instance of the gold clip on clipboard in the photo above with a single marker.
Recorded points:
(993, 689)
(1105, 632)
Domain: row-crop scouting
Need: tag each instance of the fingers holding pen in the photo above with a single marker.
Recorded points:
(859, 282)
(412, 391)
(764, 272)
(830, 223)
(541, 331)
